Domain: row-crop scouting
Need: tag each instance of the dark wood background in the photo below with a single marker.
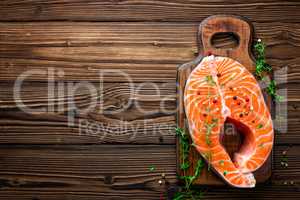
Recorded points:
(41, 157)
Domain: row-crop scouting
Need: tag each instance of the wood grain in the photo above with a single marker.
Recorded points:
(146, 51)
(148, 40)
(70, 171)
(98, 117)
(155, 33)
(261, 192)
(48, 171)
(80, 10)
(105, 96)
(41, 37)
(267, 192)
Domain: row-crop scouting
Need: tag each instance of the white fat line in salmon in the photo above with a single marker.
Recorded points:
(259, 158)
(263, 136)
(236, 74)
(223, 64)
(231, 82)
(193, 112)
(197, 81)
(266, 144)
(205, 149)
(224, 109)
(195, 94)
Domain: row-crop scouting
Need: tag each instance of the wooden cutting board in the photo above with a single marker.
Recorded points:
(242, 52)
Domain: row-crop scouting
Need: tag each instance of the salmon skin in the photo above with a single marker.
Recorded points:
(220, 89)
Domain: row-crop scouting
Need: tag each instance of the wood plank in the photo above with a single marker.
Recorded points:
(105, 53)
(103, 95)
(39, 70)
(156, 33)
(20, 128)
(49, 171)
(283, 174)
(280, 38)
(114, 112)
(262, 193)
(288, 111)
(80, 10)
(145, 51)
(100, 33)
(292, 68)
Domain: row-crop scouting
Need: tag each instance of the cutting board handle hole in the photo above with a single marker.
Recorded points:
(225, 40)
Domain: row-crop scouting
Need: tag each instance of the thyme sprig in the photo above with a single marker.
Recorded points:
(262, 69)
(187, 192)
(188, 180)
(185, 148)
(209, 79)
(271, 90)
(261, 66)
(209, 127)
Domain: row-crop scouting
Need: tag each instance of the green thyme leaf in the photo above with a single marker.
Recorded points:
(262, 68)
(279, 98)
(209, 128)
(221, 162)
(261, 145)
(152, 168)
(215, 120)
(209, 79)
(185, 148)
(260, 49)
(259, 126)
(187, 192)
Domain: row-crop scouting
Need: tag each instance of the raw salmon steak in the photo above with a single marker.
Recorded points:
(220, 89)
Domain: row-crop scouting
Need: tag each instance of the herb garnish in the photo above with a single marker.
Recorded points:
(189, 179)
(284, 159)
(185, 148)
(187, 192)
(221, 162)
(259, 126)
(208, 157)
(261, 145)
(209, 79)
(271, 90)
(262, 69)
(209, 128)
(151, 168)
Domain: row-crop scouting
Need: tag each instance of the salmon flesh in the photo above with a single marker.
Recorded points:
(220, 89)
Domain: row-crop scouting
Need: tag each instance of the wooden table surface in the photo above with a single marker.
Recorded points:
(44, 157)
